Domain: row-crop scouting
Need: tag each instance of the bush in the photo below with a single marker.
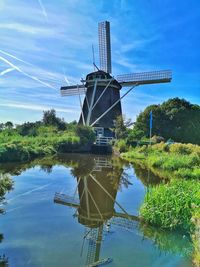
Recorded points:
(157, 139)
(85, 133)
(121, 146)
(181, 160)
(181, 149)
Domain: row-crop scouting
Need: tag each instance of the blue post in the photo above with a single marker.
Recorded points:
(150, 124)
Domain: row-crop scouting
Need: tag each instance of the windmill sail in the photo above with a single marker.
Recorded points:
(73, 90)
(105, 47)
(145, 78)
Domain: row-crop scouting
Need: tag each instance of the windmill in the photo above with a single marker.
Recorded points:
(102, 102)
(95, 206)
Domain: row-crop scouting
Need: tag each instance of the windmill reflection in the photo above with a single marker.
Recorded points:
(96, 189)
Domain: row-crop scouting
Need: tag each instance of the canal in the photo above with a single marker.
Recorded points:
(74, 210)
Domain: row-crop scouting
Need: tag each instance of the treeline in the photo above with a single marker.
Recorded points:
(34, 128)
(175, 119)
(46, 137)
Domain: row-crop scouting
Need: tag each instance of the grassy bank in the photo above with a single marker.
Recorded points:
(172, 205)
(176, 204)
(178, 160)
(48, 141)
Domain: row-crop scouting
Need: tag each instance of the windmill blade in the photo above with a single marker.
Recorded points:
(66, 200)
(73, 90)
(104, 46)
(151, 77)
(124, 223)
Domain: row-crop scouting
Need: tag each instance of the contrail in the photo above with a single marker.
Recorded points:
(6, 71)
(26, 74)
(43, 9)
(65, 77)
(28, 192)
(10, 55)
(25, 62)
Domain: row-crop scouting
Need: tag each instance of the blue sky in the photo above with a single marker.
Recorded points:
(43, 42)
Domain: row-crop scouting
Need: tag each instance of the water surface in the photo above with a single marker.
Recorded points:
(93, 217)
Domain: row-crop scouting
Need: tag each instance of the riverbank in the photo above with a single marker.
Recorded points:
(175, 204)
(176, 160)
(48, 141)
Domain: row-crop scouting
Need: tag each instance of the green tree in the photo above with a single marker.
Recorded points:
(50, 118)
(8, 125)
(176, 118)
(121, 125)
(1, 126)
(28, 128)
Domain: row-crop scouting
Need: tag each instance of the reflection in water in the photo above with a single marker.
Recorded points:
(3, 258)
(97, 186)
(168, 241)
(94, 201)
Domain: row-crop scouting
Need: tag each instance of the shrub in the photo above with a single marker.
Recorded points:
(157, 139)
(121, 145)
(181, 149)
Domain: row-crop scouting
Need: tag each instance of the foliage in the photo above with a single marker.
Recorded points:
(28, 128)
(85, 133)
(176, 118)
(196, 237)
(157, 139)
(47, 137)
(25, 148)
(134, 135)
(8, 125)
(121, 145)
(172, 205)
(50, 118)
(121, 125)
(182, 160)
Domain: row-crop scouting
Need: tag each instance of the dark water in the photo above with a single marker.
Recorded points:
(94, 216)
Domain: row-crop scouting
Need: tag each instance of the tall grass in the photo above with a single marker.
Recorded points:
(182, 160)
(14, 147)
(172, 205)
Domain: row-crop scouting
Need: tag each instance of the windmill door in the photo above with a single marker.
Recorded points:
(99, 131)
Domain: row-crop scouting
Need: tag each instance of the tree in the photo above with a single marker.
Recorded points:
(49, 118)
(1, 126)
(121, 125)
(8, 125)
(176, 118)
(28, 128)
